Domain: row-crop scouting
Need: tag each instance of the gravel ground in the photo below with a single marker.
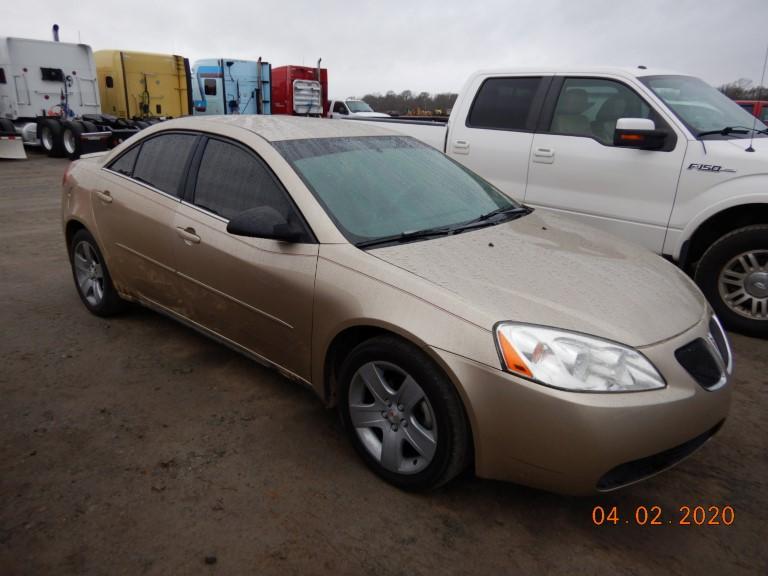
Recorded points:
(136, 446)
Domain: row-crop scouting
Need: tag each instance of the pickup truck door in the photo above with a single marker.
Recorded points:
(576, 169)
(495, 141)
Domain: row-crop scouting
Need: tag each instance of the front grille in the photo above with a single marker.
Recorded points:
(635, 470)
(698, 358)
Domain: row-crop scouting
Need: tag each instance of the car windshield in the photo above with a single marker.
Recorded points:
(379, 186)
(700, 107)
(358, 106)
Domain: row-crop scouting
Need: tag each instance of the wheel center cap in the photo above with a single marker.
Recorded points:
(393, 415)
(756, 284)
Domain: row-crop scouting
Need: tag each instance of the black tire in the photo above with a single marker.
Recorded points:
(453, 439)
(110, 303)
(141, 124)
(71, 138)
(52, 142)
(90, 126)
(719, 257)
(6, 126)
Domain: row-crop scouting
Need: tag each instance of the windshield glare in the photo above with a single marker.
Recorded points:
(699, 106)
(358, 106)
(378, 186)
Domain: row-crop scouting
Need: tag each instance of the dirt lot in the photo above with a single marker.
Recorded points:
(136, 446)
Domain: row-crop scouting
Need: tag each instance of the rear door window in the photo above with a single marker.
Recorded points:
(162, 161)
(504, 103)
(232, 180)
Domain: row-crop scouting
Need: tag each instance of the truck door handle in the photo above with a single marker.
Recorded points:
(188, 235)
(461, 147)
(544, 155)
(105, 196)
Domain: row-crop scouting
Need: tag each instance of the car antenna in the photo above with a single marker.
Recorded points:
(759, 93)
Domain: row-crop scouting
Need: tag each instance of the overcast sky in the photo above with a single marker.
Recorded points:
(418, 45)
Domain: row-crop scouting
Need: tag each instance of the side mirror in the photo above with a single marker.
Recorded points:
(638, 133)
(264, 222)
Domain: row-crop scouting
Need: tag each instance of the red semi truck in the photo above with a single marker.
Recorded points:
(300, 90)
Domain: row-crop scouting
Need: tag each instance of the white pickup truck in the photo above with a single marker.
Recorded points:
(662, 159)
(351, 108)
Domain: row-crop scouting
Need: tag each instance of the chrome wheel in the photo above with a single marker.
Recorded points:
(46, 138)
(743, 284)
(69, 141)
(89, 273)
(392, 417)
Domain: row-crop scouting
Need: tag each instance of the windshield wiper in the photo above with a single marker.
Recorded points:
(509, 212)
(404, 237)
(731, 130)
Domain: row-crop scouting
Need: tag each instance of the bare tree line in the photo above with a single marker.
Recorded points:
(407, 102)
(744, 89)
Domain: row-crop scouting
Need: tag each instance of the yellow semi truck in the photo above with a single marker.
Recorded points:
(142, 86)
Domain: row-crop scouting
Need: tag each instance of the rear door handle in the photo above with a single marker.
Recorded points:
(188, 235)
(544, 155)
(461, 147)
(105, 196)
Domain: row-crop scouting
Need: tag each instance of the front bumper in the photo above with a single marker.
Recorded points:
(579, 442)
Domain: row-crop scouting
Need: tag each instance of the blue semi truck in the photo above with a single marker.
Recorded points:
(229, 86)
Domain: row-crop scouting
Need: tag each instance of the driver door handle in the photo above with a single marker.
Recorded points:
(188, 234)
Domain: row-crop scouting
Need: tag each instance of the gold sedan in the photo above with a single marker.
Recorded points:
(451, 325)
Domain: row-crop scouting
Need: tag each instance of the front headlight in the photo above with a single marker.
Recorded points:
(573, 361)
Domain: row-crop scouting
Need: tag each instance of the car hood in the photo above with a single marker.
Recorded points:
(370, 114)
(550, 270)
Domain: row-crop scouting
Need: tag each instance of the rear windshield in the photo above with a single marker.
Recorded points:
(377, 186)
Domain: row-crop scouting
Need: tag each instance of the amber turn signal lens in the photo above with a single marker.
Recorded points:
(512, 359)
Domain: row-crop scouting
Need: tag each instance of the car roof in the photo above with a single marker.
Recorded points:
(277, 128)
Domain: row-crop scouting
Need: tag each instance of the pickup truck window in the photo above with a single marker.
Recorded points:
(379, 186)
(339, 108)
(589, 107)
(700, 107)
(503, 103)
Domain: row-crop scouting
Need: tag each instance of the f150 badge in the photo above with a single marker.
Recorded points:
(709, 168)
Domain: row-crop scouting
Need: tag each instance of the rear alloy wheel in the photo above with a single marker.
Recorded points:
(733, 273)
(403, 415)
(92, 279)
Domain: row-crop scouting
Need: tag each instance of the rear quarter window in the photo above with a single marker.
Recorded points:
(125, 163)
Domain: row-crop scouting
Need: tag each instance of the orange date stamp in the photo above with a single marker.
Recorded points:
(657, 516)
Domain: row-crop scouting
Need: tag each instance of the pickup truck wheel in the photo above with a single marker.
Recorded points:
(403, 415)
(733, 274)
(51, 138)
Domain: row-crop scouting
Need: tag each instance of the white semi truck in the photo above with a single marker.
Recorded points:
(663, 159)
(49, 97)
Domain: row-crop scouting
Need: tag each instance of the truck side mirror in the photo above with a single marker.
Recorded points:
(638, 133)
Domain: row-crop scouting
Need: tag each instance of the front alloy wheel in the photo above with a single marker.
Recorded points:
(403, 415)
(393, 417)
